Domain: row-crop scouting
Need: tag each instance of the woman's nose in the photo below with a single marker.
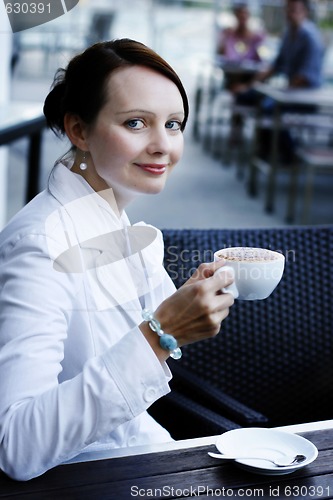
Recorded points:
(159, 142)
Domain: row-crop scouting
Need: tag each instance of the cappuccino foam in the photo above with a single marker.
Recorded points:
(248, 254)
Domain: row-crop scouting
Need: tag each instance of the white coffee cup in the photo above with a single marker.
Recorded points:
(256, 271)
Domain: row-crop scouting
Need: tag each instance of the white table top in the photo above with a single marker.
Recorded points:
(240, 66)
(318, 97)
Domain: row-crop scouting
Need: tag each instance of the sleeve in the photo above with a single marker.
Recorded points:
(309, 60)
(44, 422)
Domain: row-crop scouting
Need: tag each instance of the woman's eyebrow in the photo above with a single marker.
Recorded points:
(146, 112)
(135, 111)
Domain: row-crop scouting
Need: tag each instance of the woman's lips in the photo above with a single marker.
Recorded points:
(152, 168)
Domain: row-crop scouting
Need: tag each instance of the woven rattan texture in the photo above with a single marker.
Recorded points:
(274, 355)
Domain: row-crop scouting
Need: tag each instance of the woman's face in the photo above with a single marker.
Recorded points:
(242, 15)
(136, 140)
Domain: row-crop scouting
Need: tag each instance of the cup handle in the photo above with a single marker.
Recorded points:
(231, 288)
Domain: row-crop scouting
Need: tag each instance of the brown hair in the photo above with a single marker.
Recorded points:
(81, 87)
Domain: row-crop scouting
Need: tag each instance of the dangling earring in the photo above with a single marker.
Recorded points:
(83, 165)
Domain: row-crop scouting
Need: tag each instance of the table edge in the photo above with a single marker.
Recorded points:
(185, 443)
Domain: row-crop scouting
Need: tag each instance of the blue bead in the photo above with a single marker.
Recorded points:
(168, 342)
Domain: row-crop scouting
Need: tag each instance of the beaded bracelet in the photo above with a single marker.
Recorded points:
(167, 341)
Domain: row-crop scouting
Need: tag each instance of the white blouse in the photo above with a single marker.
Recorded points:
(76, 373)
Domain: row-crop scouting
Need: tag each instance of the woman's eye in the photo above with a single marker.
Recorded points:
(135, 124)
(173, 125)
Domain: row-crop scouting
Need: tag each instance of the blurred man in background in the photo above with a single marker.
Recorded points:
(300, 56)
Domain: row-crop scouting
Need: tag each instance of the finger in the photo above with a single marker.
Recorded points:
(204, 271)
(207, 269)
(212, 324)
(222, 301)
(216, 308)
(218, 319)
(219, 280)
(222, 308)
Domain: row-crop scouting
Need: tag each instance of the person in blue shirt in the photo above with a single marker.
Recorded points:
(301, 52)
(300, 60)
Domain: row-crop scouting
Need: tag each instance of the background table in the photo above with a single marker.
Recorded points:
(285, 115)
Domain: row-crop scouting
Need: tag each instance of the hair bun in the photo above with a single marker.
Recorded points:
(54, 104)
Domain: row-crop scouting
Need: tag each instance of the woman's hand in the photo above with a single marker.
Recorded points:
(196, 310)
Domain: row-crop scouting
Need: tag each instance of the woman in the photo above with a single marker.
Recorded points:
(83, 292)
(238, 45)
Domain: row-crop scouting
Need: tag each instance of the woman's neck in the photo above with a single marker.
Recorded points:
(242, 31)
(100, 186)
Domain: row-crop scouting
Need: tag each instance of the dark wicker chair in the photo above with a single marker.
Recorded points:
(272, 362)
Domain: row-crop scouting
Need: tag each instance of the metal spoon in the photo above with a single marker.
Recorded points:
(279, 462)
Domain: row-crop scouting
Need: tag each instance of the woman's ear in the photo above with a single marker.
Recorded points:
(76, 131)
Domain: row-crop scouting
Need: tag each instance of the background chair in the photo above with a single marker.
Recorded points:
(196, 408)
(313, 128)
(272, 356)
(314, 160)
(214, 107)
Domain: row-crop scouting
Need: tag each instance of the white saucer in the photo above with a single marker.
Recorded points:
(269, 443)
